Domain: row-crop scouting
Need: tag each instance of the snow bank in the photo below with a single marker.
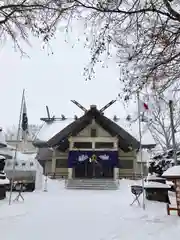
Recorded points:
(153, 177)
(172, 172)
(156, 185)
(6, 152)
(2, 139)
(2, 157)
(4, 181)
(51, 213)
(26, 167)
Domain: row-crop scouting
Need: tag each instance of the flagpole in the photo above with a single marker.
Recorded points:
(140, 148)
(16, 149)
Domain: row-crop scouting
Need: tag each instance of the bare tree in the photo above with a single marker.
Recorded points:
(159, 123)
(21, 18)
(145, 34)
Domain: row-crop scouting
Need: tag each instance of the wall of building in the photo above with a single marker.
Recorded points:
(86, 132)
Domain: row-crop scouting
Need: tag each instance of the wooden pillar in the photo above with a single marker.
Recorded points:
(70, 173)
(116, 173)
(53, 166)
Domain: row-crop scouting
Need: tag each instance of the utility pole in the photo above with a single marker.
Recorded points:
(173, 131)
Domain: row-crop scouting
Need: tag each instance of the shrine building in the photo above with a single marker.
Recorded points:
(92, 146)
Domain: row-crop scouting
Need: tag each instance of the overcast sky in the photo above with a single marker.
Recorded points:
(53, 80)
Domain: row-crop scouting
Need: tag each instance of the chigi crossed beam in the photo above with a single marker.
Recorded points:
(50, 119)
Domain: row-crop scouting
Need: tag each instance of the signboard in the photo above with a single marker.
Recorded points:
(178, 193)
(136, 190)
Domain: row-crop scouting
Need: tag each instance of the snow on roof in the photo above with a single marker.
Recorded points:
(2, 139)
(2, 157)
(4, 181)
(154, 178)
(172, 172)
(7, 153)
(156, 185)
(48, 130)
(133, 129)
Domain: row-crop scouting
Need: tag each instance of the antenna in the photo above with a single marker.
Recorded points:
(107, 106)
(79, 105)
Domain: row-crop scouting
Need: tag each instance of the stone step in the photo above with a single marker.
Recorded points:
(96, 184)
(91, 188)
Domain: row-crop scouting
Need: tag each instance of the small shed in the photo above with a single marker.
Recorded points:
(173, 174)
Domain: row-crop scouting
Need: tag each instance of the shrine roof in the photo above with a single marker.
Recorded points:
(62, 130)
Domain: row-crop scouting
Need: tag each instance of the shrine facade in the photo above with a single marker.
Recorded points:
(92, 146)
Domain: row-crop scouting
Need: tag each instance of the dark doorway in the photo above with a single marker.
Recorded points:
(80, 170)
(87, 169)
(108, 171)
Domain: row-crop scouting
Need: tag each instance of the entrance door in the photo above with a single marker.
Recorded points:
(87, 169)
(107, 171)
(80, 170)
(94, 170)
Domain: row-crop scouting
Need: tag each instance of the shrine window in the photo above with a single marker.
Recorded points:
(126, 164)
(93, 132)
(84, 145)
(100, 145)
(61, 163)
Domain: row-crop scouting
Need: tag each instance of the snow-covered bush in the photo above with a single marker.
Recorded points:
(161, 162)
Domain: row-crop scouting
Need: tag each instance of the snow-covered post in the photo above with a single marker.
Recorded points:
(45, 183)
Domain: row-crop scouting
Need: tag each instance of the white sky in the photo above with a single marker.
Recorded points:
(53, 80)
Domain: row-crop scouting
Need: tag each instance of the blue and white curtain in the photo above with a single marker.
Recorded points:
(104, 157)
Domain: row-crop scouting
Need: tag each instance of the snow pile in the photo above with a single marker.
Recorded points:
(26, 167)
(156, 185)
(7, 152)
(154, 178)
(172, 172)
(71, 214)
(2, 139)
(4, 181)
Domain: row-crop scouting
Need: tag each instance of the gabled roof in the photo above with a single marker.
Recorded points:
(61, 138)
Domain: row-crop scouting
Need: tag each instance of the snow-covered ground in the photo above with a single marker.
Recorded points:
(85, 215)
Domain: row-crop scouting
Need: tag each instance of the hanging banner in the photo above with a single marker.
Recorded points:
(104, 157)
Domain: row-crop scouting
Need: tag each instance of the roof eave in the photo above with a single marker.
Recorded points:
(40, 144)
(149, 146)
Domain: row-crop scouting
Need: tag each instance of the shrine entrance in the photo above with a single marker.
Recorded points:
(93, 164)
(89, 169)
